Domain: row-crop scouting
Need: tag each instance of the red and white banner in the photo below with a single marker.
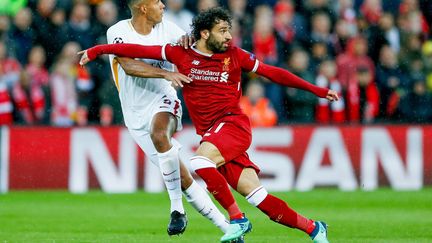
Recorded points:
(290, 158)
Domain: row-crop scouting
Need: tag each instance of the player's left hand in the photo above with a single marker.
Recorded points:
(332, 95)
(84, 58)
(186, 41)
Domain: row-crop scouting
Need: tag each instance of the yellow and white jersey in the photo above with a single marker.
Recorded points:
(141, 97)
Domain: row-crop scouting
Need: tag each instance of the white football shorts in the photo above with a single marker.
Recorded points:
(142, 136)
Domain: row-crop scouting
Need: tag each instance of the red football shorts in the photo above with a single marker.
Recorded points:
(232, 136)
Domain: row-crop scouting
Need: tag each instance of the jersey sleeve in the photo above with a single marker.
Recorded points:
(114, 37)
(248, 61)
(286, 78)
(127, 50)
(115, 67)
(173, 53)
(110, 40)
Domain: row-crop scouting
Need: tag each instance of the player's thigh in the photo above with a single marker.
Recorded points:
(248, 181)
(210, 151)
(164, 123)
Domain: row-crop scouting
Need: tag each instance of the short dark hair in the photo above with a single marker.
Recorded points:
(131, 2)
(207, 19)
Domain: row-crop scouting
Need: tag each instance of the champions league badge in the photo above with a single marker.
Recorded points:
(118, 40)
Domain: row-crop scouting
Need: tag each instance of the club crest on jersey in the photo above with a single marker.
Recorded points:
(226, 62)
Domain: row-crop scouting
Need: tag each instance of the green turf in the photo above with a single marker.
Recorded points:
(380, 216)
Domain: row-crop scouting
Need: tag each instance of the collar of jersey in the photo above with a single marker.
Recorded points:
(200, 52)
(136, 32)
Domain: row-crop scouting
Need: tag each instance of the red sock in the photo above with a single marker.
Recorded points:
(281, 213)
(218, 187)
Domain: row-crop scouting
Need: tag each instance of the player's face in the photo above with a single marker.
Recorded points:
(155, 9)
(219, 37)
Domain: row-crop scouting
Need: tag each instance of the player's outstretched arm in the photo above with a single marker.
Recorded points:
(133, 67)
(283, 77)
(123, 50)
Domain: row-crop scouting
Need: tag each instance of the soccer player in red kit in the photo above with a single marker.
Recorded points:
(212, 99)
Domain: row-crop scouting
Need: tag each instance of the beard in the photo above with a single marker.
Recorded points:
(215, 46)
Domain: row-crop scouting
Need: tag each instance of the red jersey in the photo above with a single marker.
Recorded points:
(215, 90)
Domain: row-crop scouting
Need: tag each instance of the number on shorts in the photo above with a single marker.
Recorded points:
(167, 101)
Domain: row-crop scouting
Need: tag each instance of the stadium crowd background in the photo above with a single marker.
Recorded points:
(376, 53)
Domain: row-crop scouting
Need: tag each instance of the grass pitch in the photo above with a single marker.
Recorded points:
(380, 216)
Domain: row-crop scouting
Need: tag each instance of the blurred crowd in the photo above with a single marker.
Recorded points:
(377, 54)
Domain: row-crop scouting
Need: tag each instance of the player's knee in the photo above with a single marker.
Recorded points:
(211, 152)
(161, 140)
(248, 182)
(201, 162)
(245, 188)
